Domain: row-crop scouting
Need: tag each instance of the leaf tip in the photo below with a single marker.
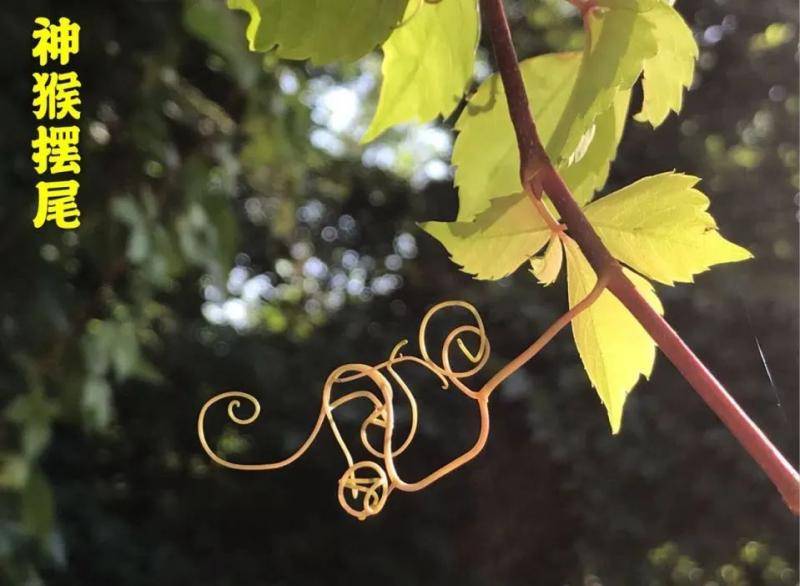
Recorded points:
(371, 133)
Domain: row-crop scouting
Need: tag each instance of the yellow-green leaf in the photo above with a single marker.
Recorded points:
(660, 227)
(485, 152)
(322, 31)
(613, 346)
(427, 63)
(498, 241)
(547, 266)
(637, 5)
(590, 172)
(579, 102)
(620, 40)
(669, 71)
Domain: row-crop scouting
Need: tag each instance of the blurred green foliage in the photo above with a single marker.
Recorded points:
(235, 236)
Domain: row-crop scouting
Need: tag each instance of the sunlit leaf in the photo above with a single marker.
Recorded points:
(613, 346)
(579, 102)
(590, 173)
(485, 152)
(323, 32)
(14, 471)
(660, 227)
(427, 63)
(33, 412)
(621, 39)
(635, 5)
(547, 266)
(669, 71)
(498, 241)
(124, 348)
(96, 402)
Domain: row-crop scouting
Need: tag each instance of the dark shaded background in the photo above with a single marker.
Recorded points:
(197, 161)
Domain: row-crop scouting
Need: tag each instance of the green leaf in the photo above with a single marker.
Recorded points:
(96, 344)
(96, 402)
(669, 71)
(620, 40)
(38, 505)
(128, 211)
(485, 151)
(580, 102)
(14, 471)
(33, 412)
(427, 63)
(498, 241)
(613, 346)
(547, 266)
(589, 173)
(635, 5)
(124, 348)
(660, 227)
(322, 31)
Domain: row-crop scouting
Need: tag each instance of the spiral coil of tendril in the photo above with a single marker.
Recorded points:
(365, 486)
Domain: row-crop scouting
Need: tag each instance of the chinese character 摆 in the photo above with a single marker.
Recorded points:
(56, 150)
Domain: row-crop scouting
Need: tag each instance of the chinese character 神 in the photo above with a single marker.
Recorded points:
(57, 203)
(55, 41)
(56, 150)
(56, 95)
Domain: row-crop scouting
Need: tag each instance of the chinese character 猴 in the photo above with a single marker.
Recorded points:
(56, 95)
(55, 41)
(57, 203)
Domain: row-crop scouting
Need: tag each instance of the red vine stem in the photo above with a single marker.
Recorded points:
(538, 173)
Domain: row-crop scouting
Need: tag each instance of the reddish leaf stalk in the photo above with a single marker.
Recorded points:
(537, 174)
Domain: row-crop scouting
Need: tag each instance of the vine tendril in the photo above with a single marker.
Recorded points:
(365, 486)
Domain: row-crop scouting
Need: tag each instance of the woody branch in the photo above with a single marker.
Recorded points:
(538, 174)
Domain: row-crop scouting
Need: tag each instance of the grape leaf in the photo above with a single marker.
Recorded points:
(580, 102)
(669, 71)
(498, 241)
(660, 227)
(589, 173)
(614, 348)
(547, 266)
(620, 40)
(636, 5)
(322, 31)
(427, 63)
(485, 152)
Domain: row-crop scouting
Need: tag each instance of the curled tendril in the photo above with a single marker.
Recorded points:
(374, 488)
(235, 404)
(366, 485)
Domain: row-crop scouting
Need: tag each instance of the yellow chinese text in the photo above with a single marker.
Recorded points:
(57, 204)
(56, 95)
(55, 150)
(56, 42)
